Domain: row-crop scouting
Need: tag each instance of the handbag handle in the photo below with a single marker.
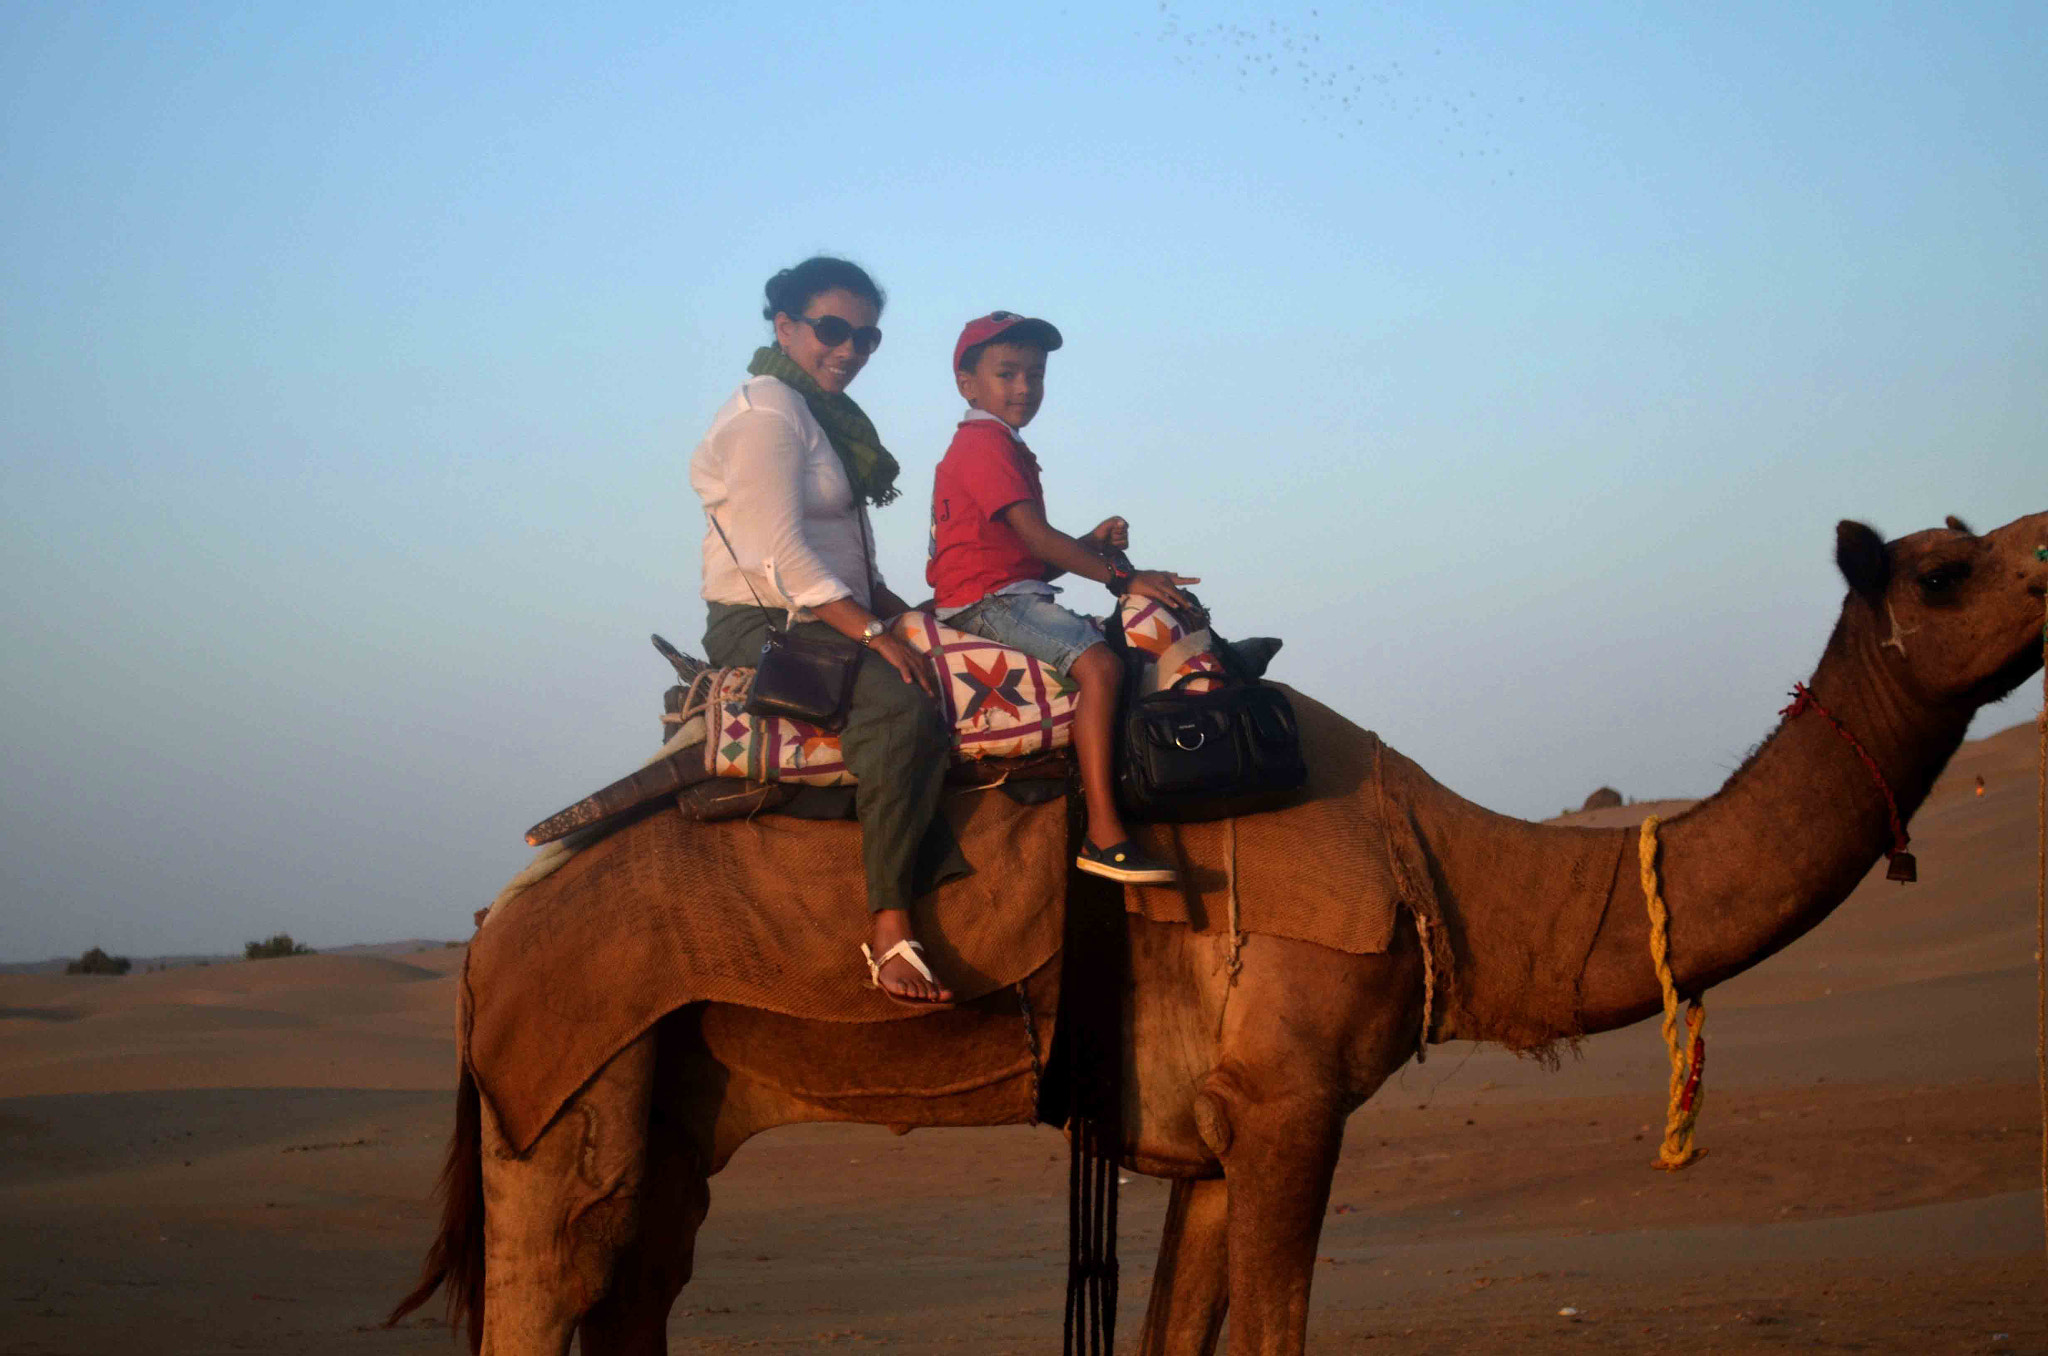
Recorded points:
(1229, 678)
(1187, 678)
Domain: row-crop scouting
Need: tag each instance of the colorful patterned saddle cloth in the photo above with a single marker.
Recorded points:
(1001, 702)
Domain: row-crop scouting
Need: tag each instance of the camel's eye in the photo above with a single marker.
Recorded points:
(1938, 584)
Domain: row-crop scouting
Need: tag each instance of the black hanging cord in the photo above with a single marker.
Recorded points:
(1095, 970)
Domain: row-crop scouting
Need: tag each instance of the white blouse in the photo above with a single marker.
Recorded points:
(768, 475)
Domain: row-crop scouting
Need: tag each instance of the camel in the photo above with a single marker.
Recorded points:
(1238, 1084)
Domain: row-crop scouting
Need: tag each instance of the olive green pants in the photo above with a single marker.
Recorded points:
(895, 742)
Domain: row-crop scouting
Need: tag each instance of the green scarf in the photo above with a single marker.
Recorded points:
(868, 464)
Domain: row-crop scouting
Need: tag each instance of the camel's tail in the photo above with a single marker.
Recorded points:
(457, 1258)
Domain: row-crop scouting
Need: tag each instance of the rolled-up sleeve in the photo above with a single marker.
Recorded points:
(761, 462)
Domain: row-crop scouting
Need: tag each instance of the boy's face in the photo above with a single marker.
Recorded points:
(1008, 381)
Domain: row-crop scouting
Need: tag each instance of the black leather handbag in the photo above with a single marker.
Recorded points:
(801, 677)
(1205, 755)
(805, 678)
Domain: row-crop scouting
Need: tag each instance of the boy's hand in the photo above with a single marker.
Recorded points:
(1161, 587)
(1111, 532)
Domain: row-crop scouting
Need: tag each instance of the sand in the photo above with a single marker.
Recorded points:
(238, 1158)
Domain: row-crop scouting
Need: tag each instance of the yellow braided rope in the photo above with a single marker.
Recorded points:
(1687, 1090)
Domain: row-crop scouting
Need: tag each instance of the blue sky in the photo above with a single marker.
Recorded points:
(1515, 366)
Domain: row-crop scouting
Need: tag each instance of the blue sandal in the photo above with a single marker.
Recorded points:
(1126, 862)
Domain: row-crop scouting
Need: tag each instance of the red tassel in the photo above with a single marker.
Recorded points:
(1699, 1070)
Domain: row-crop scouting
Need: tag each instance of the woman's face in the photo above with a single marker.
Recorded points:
(833, 368)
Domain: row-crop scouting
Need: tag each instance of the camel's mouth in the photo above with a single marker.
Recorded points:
(2007, 679)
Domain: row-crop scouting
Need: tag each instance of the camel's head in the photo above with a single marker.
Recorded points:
(1958, 617)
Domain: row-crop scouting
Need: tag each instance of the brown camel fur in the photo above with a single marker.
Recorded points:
(1239, 1089)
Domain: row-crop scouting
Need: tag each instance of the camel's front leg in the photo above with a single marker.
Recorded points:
(1308, 1034)
(557, 1216)
(1280, 1154)
(1191, 1288)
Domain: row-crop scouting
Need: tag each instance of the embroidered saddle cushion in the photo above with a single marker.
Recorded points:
(1000, 702)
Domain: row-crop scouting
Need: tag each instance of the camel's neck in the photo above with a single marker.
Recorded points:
(1785, 841)
(1549, 927)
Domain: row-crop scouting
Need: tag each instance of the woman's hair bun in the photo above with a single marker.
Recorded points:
(790, 291)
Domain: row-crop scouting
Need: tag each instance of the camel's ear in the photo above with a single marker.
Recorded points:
(1956, 524)
(1865, 562)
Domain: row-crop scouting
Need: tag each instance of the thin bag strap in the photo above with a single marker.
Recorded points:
(867, 552)
(736, 564)
(867, 559)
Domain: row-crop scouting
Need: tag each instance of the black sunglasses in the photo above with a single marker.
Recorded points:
(833, 331)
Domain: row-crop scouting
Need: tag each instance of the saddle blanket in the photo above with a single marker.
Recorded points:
(1000, 702)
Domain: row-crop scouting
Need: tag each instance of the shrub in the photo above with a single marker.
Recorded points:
(98, 962)
(280, 945)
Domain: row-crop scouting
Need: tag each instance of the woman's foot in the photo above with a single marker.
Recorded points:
(899, 975)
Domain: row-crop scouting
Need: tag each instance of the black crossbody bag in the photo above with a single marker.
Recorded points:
(1184, 756)
(799, 677)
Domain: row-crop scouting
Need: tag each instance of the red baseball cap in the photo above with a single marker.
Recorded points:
(998, 323)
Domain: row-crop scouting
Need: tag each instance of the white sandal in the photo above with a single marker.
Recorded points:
(912, 951)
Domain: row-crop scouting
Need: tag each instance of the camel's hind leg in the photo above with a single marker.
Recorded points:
(1191, 1288)
(675, 1196)
(556, 1217)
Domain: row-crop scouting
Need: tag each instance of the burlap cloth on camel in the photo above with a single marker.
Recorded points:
(765, 913)
(1368, 840)
(1324, 870)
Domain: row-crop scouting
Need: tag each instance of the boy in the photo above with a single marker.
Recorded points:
(993, 555)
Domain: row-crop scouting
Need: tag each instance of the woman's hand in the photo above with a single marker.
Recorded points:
(906, 661)
(1161, 586)
(1114, 533)
(851, 620)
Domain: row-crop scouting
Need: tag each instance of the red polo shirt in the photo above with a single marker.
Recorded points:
(973, 552)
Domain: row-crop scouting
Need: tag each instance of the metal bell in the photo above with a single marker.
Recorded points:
(1903, 868)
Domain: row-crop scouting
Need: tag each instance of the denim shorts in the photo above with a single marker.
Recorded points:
(1033, 623)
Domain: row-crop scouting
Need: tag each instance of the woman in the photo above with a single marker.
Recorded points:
(786, 474)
